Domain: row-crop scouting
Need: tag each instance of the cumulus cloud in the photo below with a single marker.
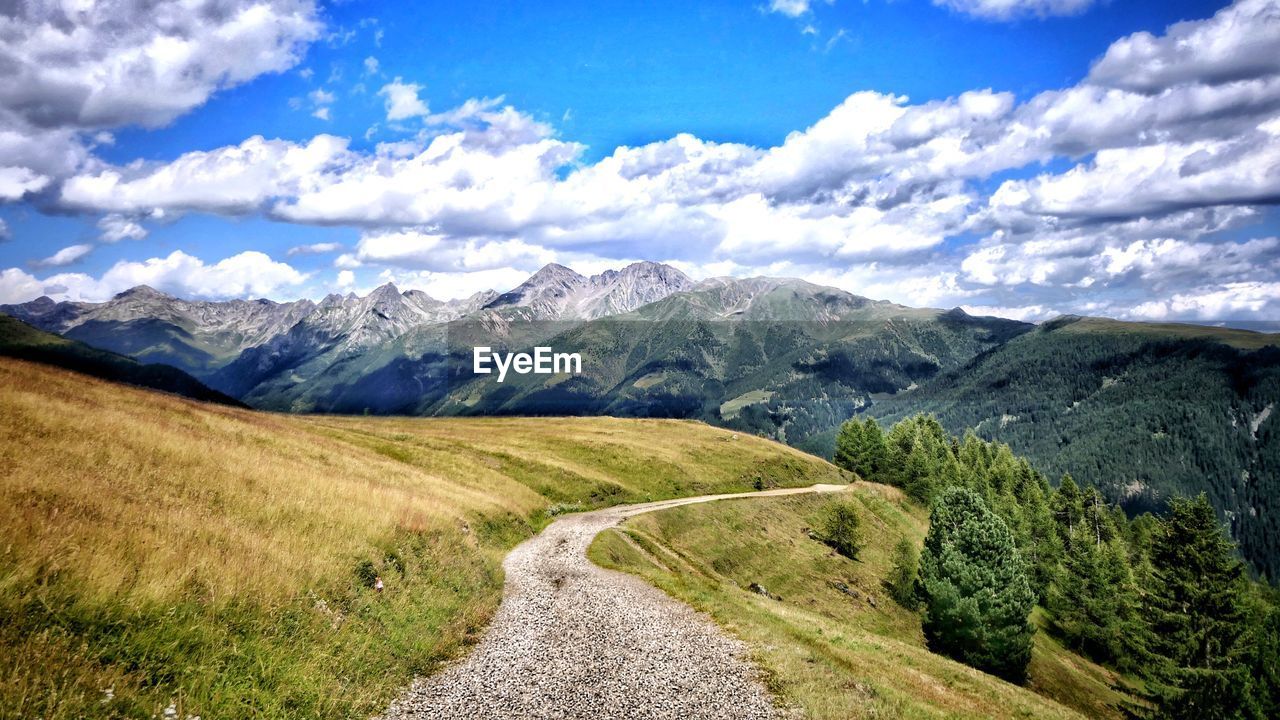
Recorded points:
(1154, 180)
(1170, 140)
(248, 274)
(1152, 254)
(65, 256)
(121, 62)
(1011, 9)
(426, 251)
(454, 285)
(18, 181)
(402, 100)
(116, 227)
(1238, 300)
(1238, 44)
(229, 180)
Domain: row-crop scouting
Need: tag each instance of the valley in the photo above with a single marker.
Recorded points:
(780, 358)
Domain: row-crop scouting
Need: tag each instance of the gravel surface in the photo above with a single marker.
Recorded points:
(573, 640)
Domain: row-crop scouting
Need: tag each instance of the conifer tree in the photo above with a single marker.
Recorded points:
(902, 577)
(975, 588)
(860, 448)
(1067, 505)
(1198, 616)
(849, 442)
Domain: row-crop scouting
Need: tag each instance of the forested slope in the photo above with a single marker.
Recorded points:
(1140, 411)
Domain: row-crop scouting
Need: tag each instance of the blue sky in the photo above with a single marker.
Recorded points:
(933, 153)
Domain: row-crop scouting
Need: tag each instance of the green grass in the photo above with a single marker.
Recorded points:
(729, 409)
(155, 550)
(832, 653)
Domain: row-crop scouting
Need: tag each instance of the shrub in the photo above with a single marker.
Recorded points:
(841, 529)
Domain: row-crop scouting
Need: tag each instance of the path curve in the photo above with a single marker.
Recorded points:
(573, 640)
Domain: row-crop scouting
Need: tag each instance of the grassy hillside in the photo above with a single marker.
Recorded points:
(1142, 411)
(24, 342)
(833, 642)
(156, 550)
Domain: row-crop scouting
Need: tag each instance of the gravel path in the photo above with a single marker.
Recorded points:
(573, 640)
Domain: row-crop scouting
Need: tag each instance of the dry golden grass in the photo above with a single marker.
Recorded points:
(171, 551)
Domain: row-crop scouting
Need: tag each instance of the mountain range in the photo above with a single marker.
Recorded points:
(1140, 410)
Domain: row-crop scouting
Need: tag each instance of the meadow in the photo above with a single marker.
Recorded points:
(162, 554)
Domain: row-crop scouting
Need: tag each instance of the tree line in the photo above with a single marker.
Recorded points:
(1165, 599)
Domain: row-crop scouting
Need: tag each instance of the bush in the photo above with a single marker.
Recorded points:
(366, 573)
(841, 529)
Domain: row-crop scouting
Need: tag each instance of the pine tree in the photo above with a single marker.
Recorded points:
(849, 443)
(975, 588)
(1264, 660)
(1093, 602)
(860, 448)
(1067, 504)
(1197, 612)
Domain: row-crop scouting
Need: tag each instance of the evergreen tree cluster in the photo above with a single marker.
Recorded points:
(1162, 598)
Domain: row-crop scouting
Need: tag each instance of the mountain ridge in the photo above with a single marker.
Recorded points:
(780, 357)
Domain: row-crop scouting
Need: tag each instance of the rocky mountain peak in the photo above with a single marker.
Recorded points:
(554, 272)
(384, 293)
(142, 292)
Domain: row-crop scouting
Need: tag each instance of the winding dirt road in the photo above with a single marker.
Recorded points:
(573, 640)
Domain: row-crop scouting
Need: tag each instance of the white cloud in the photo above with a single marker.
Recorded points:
(314, 249)
(346, 278)
(17, 286)
(65, 256)
(231, 180)
(5, 233)
(116, 227)
(371, 65)
(248, 274)
(18, 181)
(1025, 313)
(416, 249)
(455, 285)
(1238, 300)
(1151, 254)
(1154, 179)
(113, 63)
(402, 100)
(790, 8)
(1170, 139)
(1238, 43)
(1011, 9)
